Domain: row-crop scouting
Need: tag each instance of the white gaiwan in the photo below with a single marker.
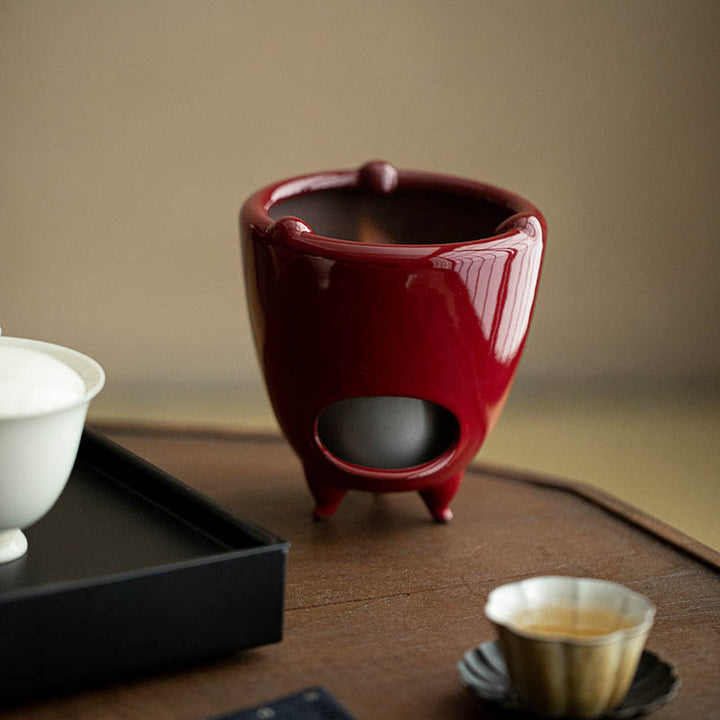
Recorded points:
(45, 391)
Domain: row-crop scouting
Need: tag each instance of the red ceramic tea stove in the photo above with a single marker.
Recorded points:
(389, 310)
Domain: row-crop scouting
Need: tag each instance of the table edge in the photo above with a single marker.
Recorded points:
(629, 513)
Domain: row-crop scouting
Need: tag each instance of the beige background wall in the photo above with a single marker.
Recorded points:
(131, 131)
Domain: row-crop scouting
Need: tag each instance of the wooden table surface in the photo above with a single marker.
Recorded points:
(381, 602)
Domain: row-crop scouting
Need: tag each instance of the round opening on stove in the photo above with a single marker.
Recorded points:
(407, 216)
(387, 432)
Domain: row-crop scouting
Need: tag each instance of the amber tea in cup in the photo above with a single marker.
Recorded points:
(571, 623)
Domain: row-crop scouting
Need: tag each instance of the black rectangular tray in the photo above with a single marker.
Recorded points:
(132, 572)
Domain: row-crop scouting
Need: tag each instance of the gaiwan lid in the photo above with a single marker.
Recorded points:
(32, 382)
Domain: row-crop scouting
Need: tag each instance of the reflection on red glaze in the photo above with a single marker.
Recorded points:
(335, 319)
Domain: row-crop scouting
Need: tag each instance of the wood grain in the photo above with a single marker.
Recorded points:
(381, 602)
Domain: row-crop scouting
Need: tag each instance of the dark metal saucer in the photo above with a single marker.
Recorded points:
(483, 672)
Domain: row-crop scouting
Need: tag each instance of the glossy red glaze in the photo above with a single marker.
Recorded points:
(444, 321)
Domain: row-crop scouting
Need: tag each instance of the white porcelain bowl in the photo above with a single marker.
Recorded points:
(45, 391)
(571, 645)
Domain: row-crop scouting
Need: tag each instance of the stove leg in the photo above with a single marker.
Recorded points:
(327, 497)
(438, 497)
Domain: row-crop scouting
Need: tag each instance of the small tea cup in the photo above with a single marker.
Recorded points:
(571, 645)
